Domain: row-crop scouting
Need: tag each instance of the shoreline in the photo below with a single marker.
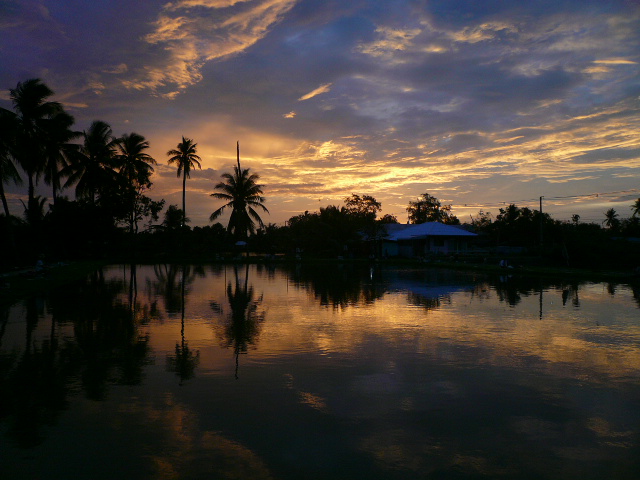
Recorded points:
(20, 283)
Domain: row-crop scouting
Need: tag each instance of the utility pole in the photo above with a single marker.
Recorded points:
(541, 226)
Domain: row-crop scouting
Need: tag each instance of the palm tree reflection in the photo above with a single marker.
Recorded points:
(241, 326)
(168, 286)
(185, 361)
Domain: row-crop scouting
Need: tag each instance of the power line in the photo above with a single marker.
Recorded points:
(560, 197)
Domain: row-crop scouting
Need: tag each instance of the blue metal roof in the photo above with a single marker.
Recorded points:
(422, 230)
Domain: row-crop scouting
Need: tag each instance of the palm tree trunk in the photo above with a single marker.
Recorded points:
(5, 205)
(31, 202)
(55, 190)
(184, 190)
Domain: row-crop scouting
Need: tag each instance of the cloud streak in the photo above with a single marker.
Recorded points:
(318, 91)
(191, 33)
(476, 102)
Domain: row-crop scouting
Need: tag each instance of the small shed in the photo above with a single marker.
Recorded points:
(417, 240)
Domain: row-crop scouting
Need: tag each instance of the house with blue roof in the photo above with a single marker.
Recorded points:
(421, 239)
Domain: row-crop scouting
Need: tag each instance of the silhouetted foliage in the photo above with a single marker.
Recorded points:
(242, 195)
(39, 128)
(429, 209)
(174, 218)
(185, 158)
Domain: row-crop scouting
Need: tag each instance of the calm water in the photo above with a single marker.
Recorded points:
(155, 372)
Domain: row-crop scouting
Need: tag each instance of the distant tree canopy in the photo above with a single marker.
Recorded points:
(174, 218)
(483, 220)
(336, 230)
(111, 175)
(364, 206)
(388, 218)
(429, 209)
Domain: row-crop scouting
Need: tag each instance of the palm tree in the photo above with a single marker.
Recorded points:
(611, 220)
(636, 208)
(33, 117)
(243, 195)
(135, 165)
(184, 156)
(93, 165)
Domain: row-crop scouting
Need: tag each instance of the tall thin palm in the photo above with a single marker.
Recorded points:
(242, 195)
(93, 165)
(135, 166)
(33, 115)
(184, 156)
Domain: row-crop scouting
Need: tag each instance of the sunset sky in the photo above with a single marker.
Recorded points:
(479, 103)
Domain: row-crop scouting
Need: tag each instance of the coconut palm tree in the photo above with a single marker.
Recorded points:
(636, 208)
(33, 119)
(135, 166)
(184, 156)
(93, 165)
(243, 195)
(611, 220)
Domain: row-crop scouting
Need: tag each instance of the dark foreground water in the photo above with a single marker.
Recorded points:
(212, 372)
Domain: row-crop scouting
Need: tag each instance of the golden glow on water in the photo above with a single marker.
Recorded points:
(256, 368)
(595, 339)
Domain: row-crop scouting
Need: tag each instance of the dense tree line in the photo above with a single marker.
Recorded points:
(112, 216)
(110, 177)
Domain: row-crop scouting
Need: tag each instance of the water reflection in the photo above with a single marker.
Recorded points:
(340, 285)
(185, 360)
(347, 372)
(241, 317)
(99, 345)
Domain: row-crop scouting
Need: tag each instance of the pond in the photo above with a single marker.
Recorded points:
(309, 372)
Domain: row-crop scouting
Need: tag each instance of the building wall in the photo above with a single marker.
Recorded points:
(421, 247)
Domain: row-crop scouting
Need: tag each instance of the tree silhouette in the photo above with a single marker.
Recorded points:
(174, 218)
(135, 165)
(635, 208)
(243, 195)
(58, 149)
(429, 209)
(611, 220)
(36, 213)
(92, 167)
(184, 156)
(34, 120)
(365, 205)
